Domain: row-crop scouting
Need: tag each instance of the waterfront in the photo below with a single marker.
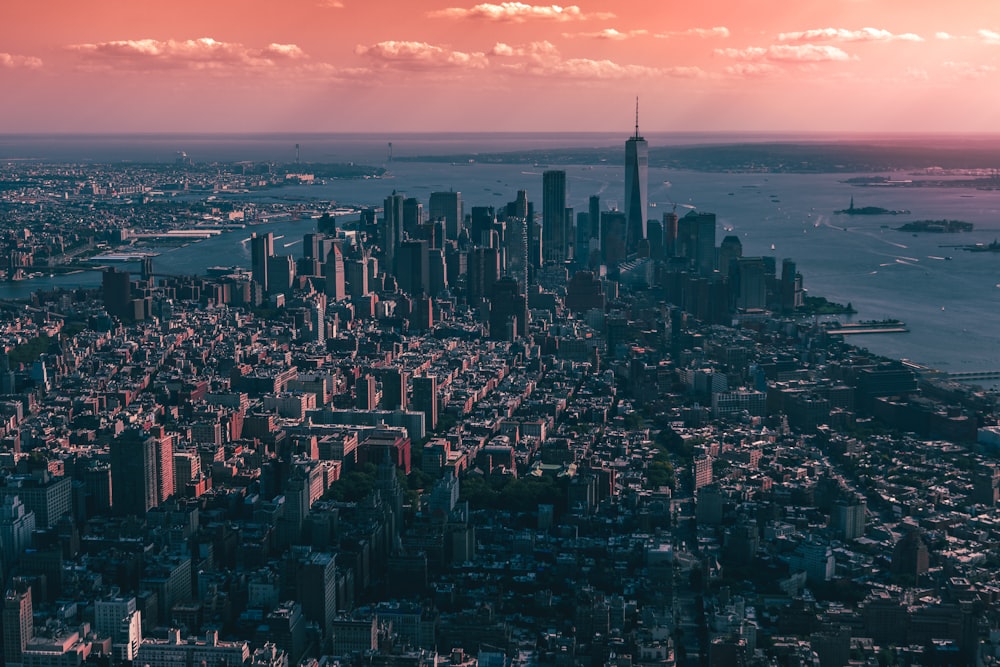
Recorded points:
(949, 305)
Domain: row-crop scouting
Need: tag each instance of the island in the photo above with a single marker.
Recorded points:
(870, 210)
(936, 226)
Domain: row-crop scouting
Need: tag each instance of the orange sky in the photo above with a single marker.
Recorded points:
(433, 65)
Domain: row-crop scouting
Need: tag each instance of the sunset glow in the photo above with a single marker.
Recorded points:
(441, 65)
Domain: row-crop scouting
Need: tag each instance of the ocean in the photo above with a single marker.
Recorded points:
(949, 298)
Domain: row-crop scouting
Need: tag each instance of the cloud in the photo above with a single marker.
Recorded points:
(842, 35)
(989, 36)
(717, 31)
(419, 55)
(331, 4)
(752, 70)
(944, 36)
(609, 33)
(13, 61)
(787, 53)
(585, 68)
(965, 70)
(536, 49)
(195, 54)
(518, 12)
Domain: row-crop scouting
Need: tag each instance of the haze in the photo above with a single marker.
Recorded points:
(443, 65)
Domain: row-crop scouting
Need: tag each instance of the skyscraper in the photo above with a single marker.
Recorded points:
(554, 216)
(134, 463)
(413, 215)
(425, 399)
(335, 274)
(261, 249)
(18, 622)
(447, 206)
(636, 184)
(392, 228)
(412, 268)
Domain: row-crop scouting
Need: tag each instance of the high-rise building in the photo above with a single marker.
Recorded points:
(117, 617)
(412, 268)
(18, 623)
(134, 463)
(16, 525)
(391, 232)
(393, 388)
(425, 399)
(356, 276)
(484, 270)
(335, 274)
(365, 393)
(437, 271)
(484, 218)
(670, 222)
(413, 215)
(730, 250)
(554, 239)
(696, 240)
(312, 247)
(749, 283)
(791, 286)
(116, 290)
(508, 310)
(261, 250)
(280, 273)
(448, 206)
(636, 184)
(614, 227)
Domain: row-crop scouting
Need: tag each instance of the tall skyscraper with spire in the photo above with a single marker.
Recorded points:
(636, 187)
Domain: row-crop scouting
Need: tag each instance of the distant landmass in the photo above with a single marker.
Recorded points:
(870, 210)
(937, 226)
(802, 157)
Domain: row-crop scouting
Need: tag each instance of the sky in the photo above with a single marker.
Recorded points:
(461, 65)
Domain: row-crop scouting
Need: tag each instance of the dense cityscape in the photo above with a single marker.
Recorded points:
(513, 436)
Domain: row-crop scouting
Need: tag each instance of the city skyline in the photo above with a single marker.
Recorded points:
(343, 65)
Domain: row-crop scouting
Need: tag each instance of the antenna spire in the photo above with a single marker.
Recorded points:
(636, 116)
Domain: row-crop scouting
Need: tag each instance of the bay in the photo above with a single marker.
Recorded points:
(949, 298)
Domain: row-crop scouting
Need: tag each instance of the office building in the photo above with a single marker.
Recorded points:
(335, 275)
(636, 184)
(280, 274)
(508, 310)
(391, 231)
(696, 241)
(134, 464)
(749, 283)
(425, 399)
(18, 622)
(484, 270)
(412, 268)
(554, 238)
(17, 522)
(447, 206)
(261, 250)
(116, 290)
(413, 215)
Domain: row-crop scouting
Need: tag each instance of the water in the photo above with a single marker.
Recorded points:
(951, 306)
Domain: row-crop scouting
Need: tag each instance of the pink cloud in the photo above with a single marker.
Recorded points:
(717, 31)
(197, 54)
(419, 55)
(13, 61)
(609, 34)
(787, 53)
(517, 12)
(842, 35)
